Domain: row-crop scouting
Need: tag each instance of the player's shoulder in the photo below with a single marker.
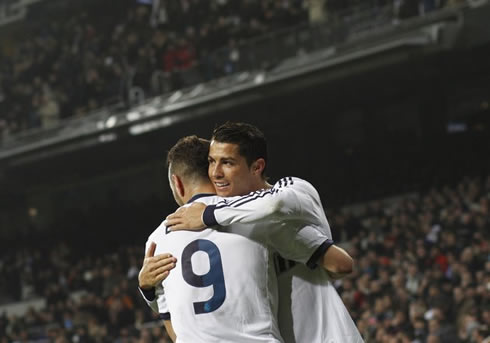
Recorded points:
(159, 232)
(294, 183)
(206, 198)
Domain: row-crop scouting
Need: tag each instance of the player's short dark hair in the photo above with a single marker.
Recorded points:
(189, 157)
(250, 140)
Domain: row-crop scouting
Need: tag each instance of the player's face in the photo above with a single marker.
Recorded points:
(228, 170)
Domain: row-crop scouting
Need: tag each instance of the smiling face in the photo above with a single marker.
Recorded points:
(229, 171)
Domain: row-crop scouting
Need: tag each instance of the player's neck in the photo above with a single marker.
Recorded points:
(201, 188)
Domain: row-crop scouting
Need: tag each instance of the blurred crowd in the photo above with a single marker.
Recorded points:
(88, 298)
(71, 66)
(73, 63)
(423, 266)
(422, 275)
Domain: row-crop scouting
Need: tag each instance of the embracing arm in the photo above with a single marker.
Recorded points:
(297, 223)
(337, 262)
(283, 202)
(155, 269)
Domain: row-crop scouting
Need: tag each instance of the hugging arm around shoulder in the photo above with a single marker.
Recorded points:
(289, 199)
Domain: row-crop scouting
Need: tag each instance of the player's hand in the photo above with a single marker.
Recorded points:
(155, 268)
(187, 218)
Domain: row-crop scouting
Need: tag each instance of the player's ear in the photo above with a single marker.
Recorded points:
(258, 166)
(179, 185)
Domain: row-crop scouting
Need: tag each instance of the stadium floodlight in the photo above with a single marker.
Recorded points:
(176, 96)
(197, 90)
(243, 76)
(111, 122)
(108, 137)
(101, 125)
(148, 110)
(151, 125)
(133, 115)
(259, 78)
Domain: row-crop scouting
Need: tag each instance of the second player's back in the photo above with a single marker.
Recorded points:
(223, 288)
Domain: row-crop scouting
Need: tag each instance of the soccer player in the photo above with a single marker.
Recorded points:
(223, 287)
(234, 150)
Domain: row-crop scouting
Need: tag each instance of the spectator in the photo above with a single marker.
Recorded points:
(88, 60)
(49, 111)
(317, 11)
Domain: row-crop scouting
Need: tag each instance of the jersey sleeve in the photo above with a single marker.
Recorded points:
(298, 242)
(290, 199)
(155, 299)
(290, 213)
(149, 297)
(162, 303)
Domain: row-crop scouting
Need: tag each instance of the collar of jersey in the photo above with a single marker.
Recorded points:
(201, 195)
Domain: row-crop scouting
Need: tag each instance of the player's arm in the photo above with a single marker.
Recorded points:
(165, 314)
(337, 262)
(155, 269)
(283, 202)
(170, 330)
(155, 298)
(290, 200)
(309, 245)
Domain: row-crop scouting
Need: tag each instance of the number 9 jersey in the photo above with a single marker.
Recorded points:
(224, 286)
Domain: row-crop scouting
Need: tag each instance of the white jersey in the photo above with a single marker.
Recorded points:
(310, 309)
(224, 287)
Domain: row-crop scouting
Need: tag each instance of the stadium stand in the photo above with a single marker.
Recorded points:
(74, 65)
(88, 57)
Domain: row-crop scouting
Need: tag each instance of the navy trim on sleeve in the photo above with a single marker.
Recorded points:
(165, 316)
(208, 217)
(149, 294)
(319, 252)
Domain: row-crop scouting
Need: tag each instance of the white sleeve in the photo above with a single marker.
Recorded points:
(290, 214)
(155, 299)
(162, 303)
(298, 242)
(290, 199)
